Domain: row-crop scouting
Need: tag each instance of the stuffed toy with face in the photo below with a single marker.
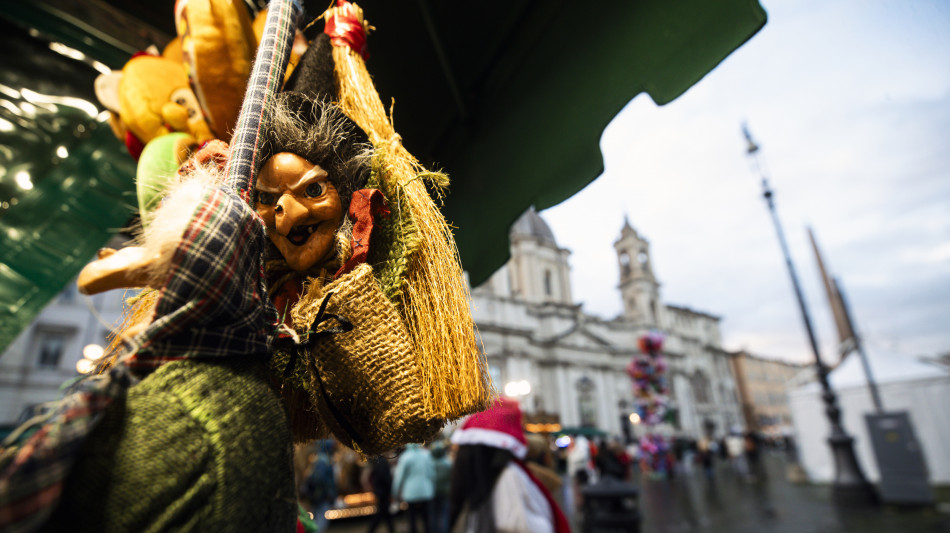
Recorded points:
(151, 98)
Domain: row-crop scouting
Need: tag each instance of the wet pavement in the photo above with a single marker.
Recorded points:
(730, 503)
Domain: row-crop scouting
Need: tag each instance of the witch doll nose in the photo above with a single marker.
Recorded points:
(288, 212)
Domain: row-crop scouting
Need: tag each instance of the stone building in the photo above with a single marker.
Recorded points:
(576, 362)
(45, 355)
(763, 390)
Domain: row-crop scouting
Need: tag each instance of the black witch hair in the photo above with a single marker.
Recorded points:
(303, 121)
(320, 133)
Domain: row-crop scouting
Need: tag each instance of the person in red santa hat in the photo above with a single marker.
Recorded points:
(492, 490)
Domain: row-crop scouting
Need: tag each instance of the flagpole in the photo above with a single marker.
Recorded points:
(859, 347)
(849, 487)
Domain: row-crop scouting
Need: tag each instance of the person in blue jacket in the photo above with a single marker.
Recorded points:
(414, 483)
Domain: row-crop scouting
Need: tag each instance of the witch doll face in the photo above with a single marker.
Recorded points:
(301, 209)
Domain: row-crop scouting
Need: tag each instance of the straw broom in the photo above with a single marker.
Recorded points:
(433, 298)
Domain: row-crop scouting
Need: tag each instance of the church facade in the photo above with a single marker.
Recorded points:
(576, 362)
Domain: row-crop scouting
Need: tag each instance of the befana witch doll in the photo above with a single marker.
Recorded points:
(386, 351)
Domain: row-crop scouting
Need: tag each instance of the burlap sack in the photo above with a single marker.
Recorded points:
(366, 385)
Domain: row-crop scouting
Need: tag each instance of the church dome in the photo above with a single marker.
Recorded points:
(530, 224)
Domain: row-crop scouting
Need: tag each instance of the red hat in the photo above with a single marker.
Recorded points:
(499, 426)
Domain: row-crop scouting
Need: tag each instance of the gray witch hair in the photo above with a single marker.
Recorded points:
(319, 132)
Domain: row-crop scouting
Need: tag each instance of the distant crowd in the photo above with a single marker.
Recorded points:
(487, 477)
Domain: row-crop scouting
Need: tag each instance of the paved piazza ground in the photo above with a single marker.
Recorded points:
(728, 504)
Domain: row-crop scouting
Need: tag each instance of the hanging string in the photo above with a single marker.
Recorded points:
(266, 79)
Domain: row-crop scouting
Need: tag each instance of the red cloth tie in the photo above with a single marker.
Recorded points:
(365, 205)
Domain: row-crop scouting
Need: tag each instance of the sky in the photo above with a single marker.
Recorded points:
(849, 102)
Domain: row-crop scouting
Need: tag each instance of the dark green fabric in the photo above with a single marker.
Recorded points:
(77, 202)
(196, 446)
(534, 135)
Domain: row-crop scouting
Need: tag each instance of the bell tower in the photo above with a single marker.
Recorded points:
(638, 286)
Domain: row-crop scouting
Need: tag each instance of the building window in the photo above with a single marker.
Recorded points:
(701, 387)
(585, 401)
(494, 370)
(50, 346)
(547, 282)
(68, 295)
(624, 265)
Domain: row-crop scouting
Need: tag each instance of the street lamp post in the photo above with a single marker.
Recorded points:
(850, 487)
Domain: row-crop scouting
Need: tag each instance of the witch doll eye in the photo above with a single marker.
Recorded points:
(265, 198)
(314, 189)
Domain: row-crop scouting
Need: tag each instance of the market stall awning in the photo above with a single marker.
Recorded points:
(510, 99)
(586, 431)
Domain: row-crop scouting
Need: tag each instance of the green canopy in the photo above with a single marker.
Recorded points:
(65, 181)
(586, 431)
(510, 99)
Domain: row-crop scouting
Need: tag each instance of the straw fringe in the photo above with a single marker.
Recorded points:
(434, 299)
(397, 231)
(136, 315)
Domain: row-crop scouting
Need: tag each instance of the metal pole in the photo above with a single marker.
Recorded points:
(859, 346)
(850, 487)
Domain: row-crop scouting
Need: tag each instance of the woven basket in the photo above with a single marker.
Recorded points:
(365, 383)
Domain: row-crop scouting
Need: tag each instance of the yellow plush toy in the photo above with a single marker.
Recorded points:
(218, 45)
(152, 98)
(173, 50)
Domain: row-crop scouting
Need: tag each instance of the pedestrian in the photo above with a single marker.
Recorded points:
(579, 460)
(608, 461)
(752, 443)
(623, 454)
(492, 490)
(443, 482)
(678, 451)
(319, 488)
(540, 461)
(381, 483)
(414, 483)
(705, 450)
(791, 450)
(689, 454)
(735, 448)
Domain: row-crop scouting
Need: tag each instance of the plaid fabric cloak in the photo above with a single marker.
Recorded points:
(213, 305)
